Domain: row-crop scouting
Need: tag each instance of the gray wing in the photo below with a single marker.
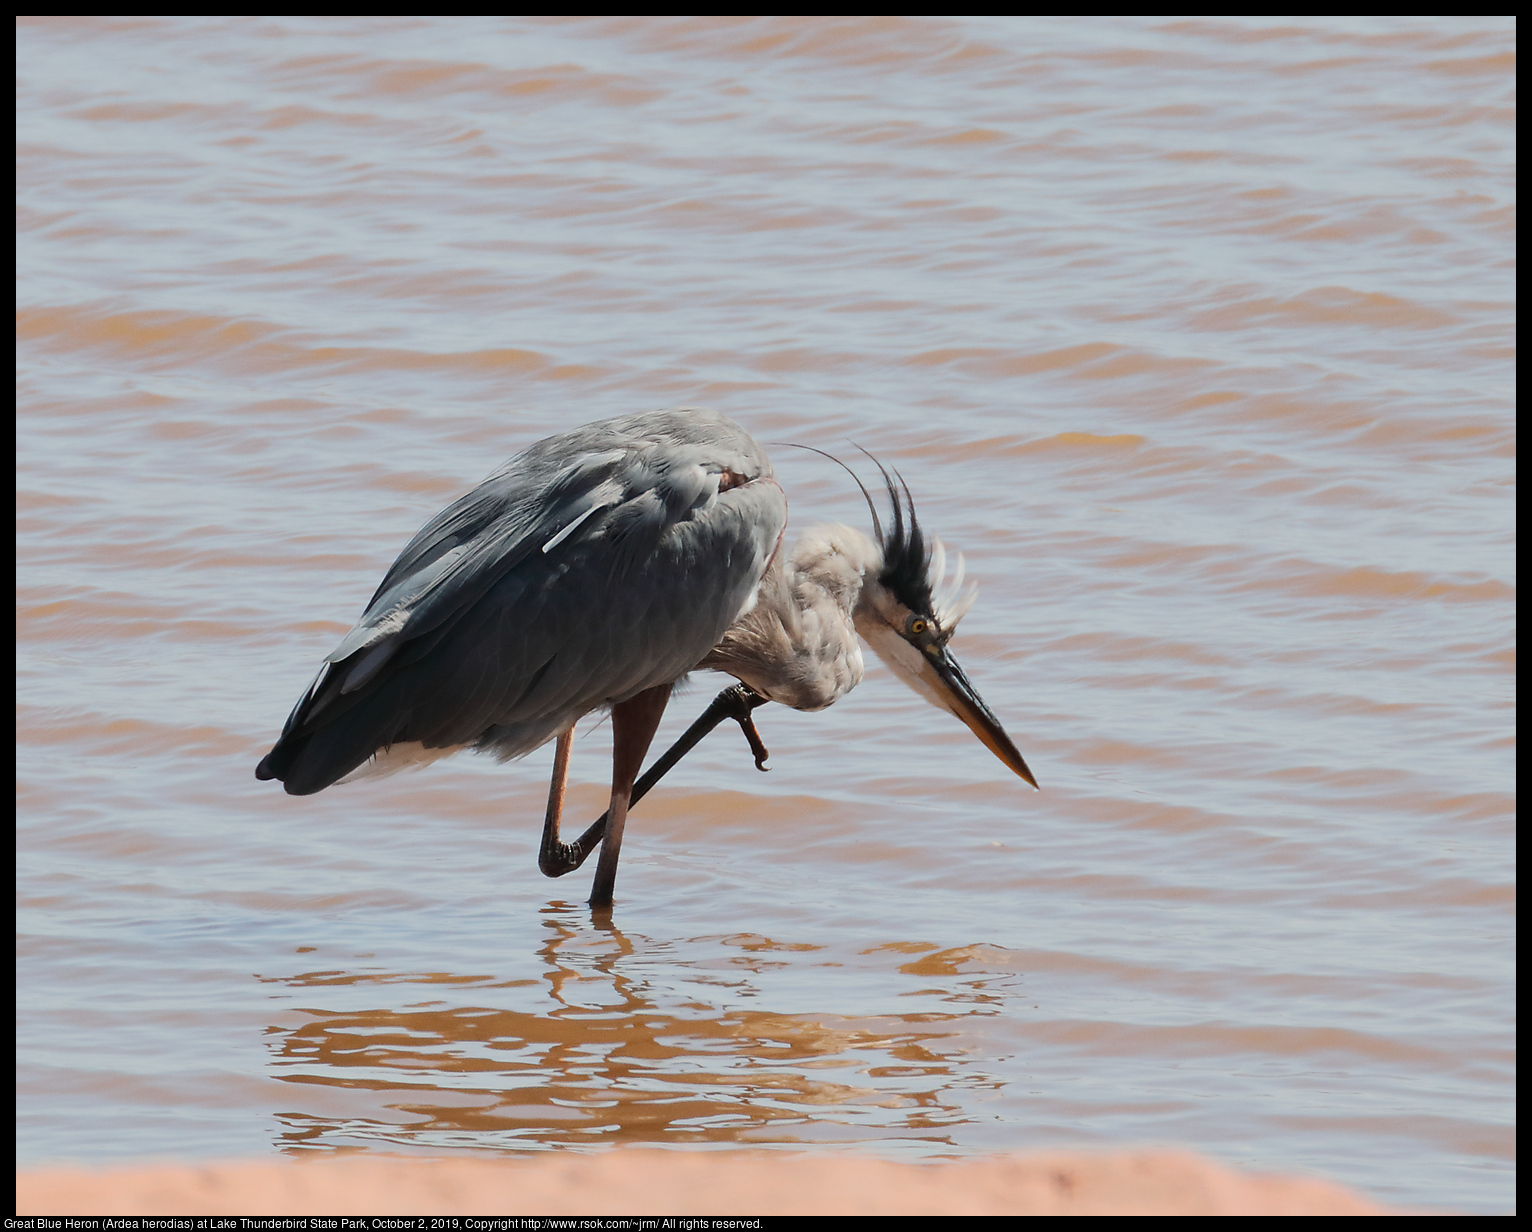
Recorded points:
(593, 566)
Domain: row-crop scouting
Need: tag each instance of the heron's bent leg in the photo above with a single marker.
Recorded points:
(735, 702)
(554, 858)
(634, 723)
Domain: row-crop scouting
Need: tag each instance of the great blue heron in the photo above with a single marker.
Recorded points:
(595, 570)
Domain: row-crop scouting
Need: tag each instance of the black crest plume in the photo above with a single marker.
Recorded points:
(906, 561)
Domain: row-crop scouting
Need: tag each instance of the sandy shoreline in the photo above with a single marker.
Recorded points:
(649, 1182)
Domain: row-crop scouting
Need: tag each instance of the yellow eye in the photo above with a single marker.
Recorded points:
(917, 627)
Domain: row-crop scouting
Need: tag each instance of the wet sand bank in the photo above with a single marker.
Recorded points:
(647, 1182)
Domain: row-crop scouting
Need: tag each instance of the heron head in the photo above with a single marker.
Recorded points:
(908, 612)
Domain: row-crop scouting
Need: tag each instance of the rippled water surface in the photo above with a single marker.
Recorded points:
(1195, 336)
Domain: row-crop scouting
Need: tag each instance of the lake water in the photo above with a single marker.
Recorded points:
(1196, 337)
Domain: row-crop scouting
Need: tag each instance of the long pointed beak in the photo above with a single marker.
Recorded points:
(952, 691)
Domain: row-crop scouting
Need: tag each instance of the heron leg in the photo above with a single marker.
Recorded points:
(555, 858)
(634, 723)
(735, 702)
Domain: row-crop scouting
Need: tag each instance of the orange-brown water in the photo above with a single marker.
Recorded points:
(1194, 336)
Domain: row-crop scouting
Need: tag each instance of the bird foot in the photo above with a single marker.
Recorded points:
(739, 700)
(758, 747)
(561, 858)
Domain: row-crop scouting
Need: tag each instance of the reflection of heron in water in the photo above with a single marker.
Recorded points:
(657, 1060)
(595, 570)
